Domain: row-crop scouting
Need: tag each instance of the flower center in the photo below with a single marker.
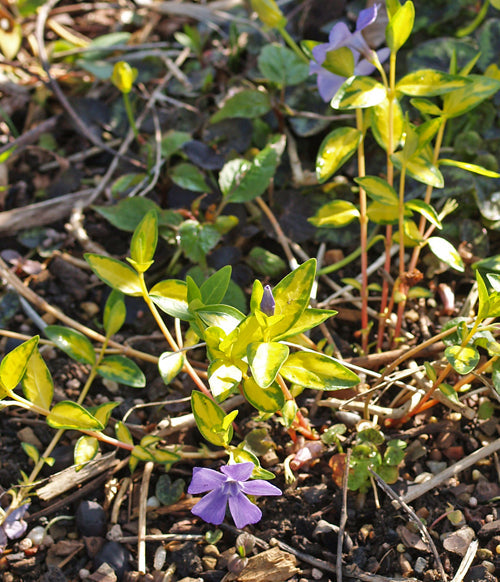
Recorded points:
(231, 488)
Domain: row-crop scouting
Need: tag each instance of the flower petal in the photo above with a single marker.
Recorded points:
(212, 508)
(260, 487)
(15, 529)
(205, 480)
(338, 36)
(366, 17)
(239, 471)
(243, 511)
(364, 67)
(3, 539)
(328, 84)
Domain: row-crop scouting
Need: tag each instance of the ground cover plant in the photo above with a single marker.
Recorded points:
(250, 275)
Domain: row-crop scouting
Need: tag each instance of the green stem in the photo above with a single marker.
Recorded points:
(130, 115)
(292, 44)
(351, 257)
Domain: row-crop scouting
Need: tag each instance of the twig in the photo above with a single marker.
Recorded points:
(343, 516)
(418, 490)
(31, 135)
(143, 503)
(470, 554)
(423, 530)
(160, 538)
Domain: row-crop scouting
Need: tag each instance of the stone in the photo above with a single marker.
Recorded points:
(458, 541)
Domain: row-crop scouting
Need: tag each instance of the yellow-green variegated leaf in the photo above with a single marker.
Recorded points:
(429, 82)
(340, 62)
(420, 168)
(380, 123)
(310, 318)
(209, 418)
(267, 400)
(144, 241)
(86, 449)
(400, 26)
(32, 452)
(142, 454)
(122, 370)
(116, 274)
(71, 416)
(13, 365)
(335, 214)
(171, 297)
(359, 92)
(115, 313)
(37, 382)
(223, 377)
(103, 411)
(292, 295)
(265, 360)
(411, 235)
(170, 365)
(425, 106)
(334, 151)
(163, 457)
(382, 214)
(463, 359)
(470, 168)
(446, 252)
(465, 99)
(318, 371)
(123, 434)
(71, 342)
(425, 210)
(379, 190)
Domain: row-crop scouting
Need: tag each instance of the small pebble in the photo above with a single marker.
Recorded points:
(115, 533)
(209, 562)
(420, 565)
(490, 566)
(116, 556)
(211, 550)
(472, 501)
(153, 502)
(25, 544)
(91, 519)
(36, 535)
(160, 557)
(316, 574)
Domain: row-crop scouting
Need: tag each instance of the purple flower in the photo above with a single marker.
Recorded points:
(340, 36)
(267, 304)
(13, 526)
(230, 486)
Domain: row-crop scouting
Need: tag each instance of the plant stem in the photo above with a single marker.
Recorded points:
(292, 44)
(130, 114)
(363, 223)
(304, 425)
(351, 257)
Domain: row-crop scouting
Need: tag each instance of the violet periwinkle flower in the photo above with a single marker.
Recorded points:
(340, 36)
(13, 526)
(230, 486)
(267, 304)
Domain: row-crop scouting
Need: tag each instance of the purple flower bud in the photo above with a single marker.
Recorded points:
(267, 304)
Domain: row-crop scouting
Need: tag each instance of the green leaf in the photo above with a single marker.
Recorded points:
(171, 297)
(248, 103)
(446, 252)
(197, 240)
(170, 364)
(242, 181)
(265, 262)
(483, 298)
(337, 147)
(115, 313)
(429, 82)
(122, 370)
(379, 190)
(169, 492)
(144, 241)
(449, 392)
(214, 288)
(425, 210)
(116, 274)
(280, 65)
(340, 62)
(71, 342)
(189, 177)
(265, 360)
(223, 316)
(335, 214)
(172, 142)
(209, 418)
(37, 383)
(318, 371)
(463, 359)
(359, 92)
(13, 365)
(292, 295)
(465, 99)
(127, 214)
(86, 449)
(123, 433)
(470, 168)
(31, 451)
(71, 416)
(400, 26)
(268, 400)
(103, 411)
(379, 122)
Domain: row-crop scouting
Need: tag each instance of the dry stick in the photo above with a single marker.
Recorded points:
(143, 503)
(43, 14)
(418, 490)
(343, 516)
(466, 563)
(423, 530)
(31, 135)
